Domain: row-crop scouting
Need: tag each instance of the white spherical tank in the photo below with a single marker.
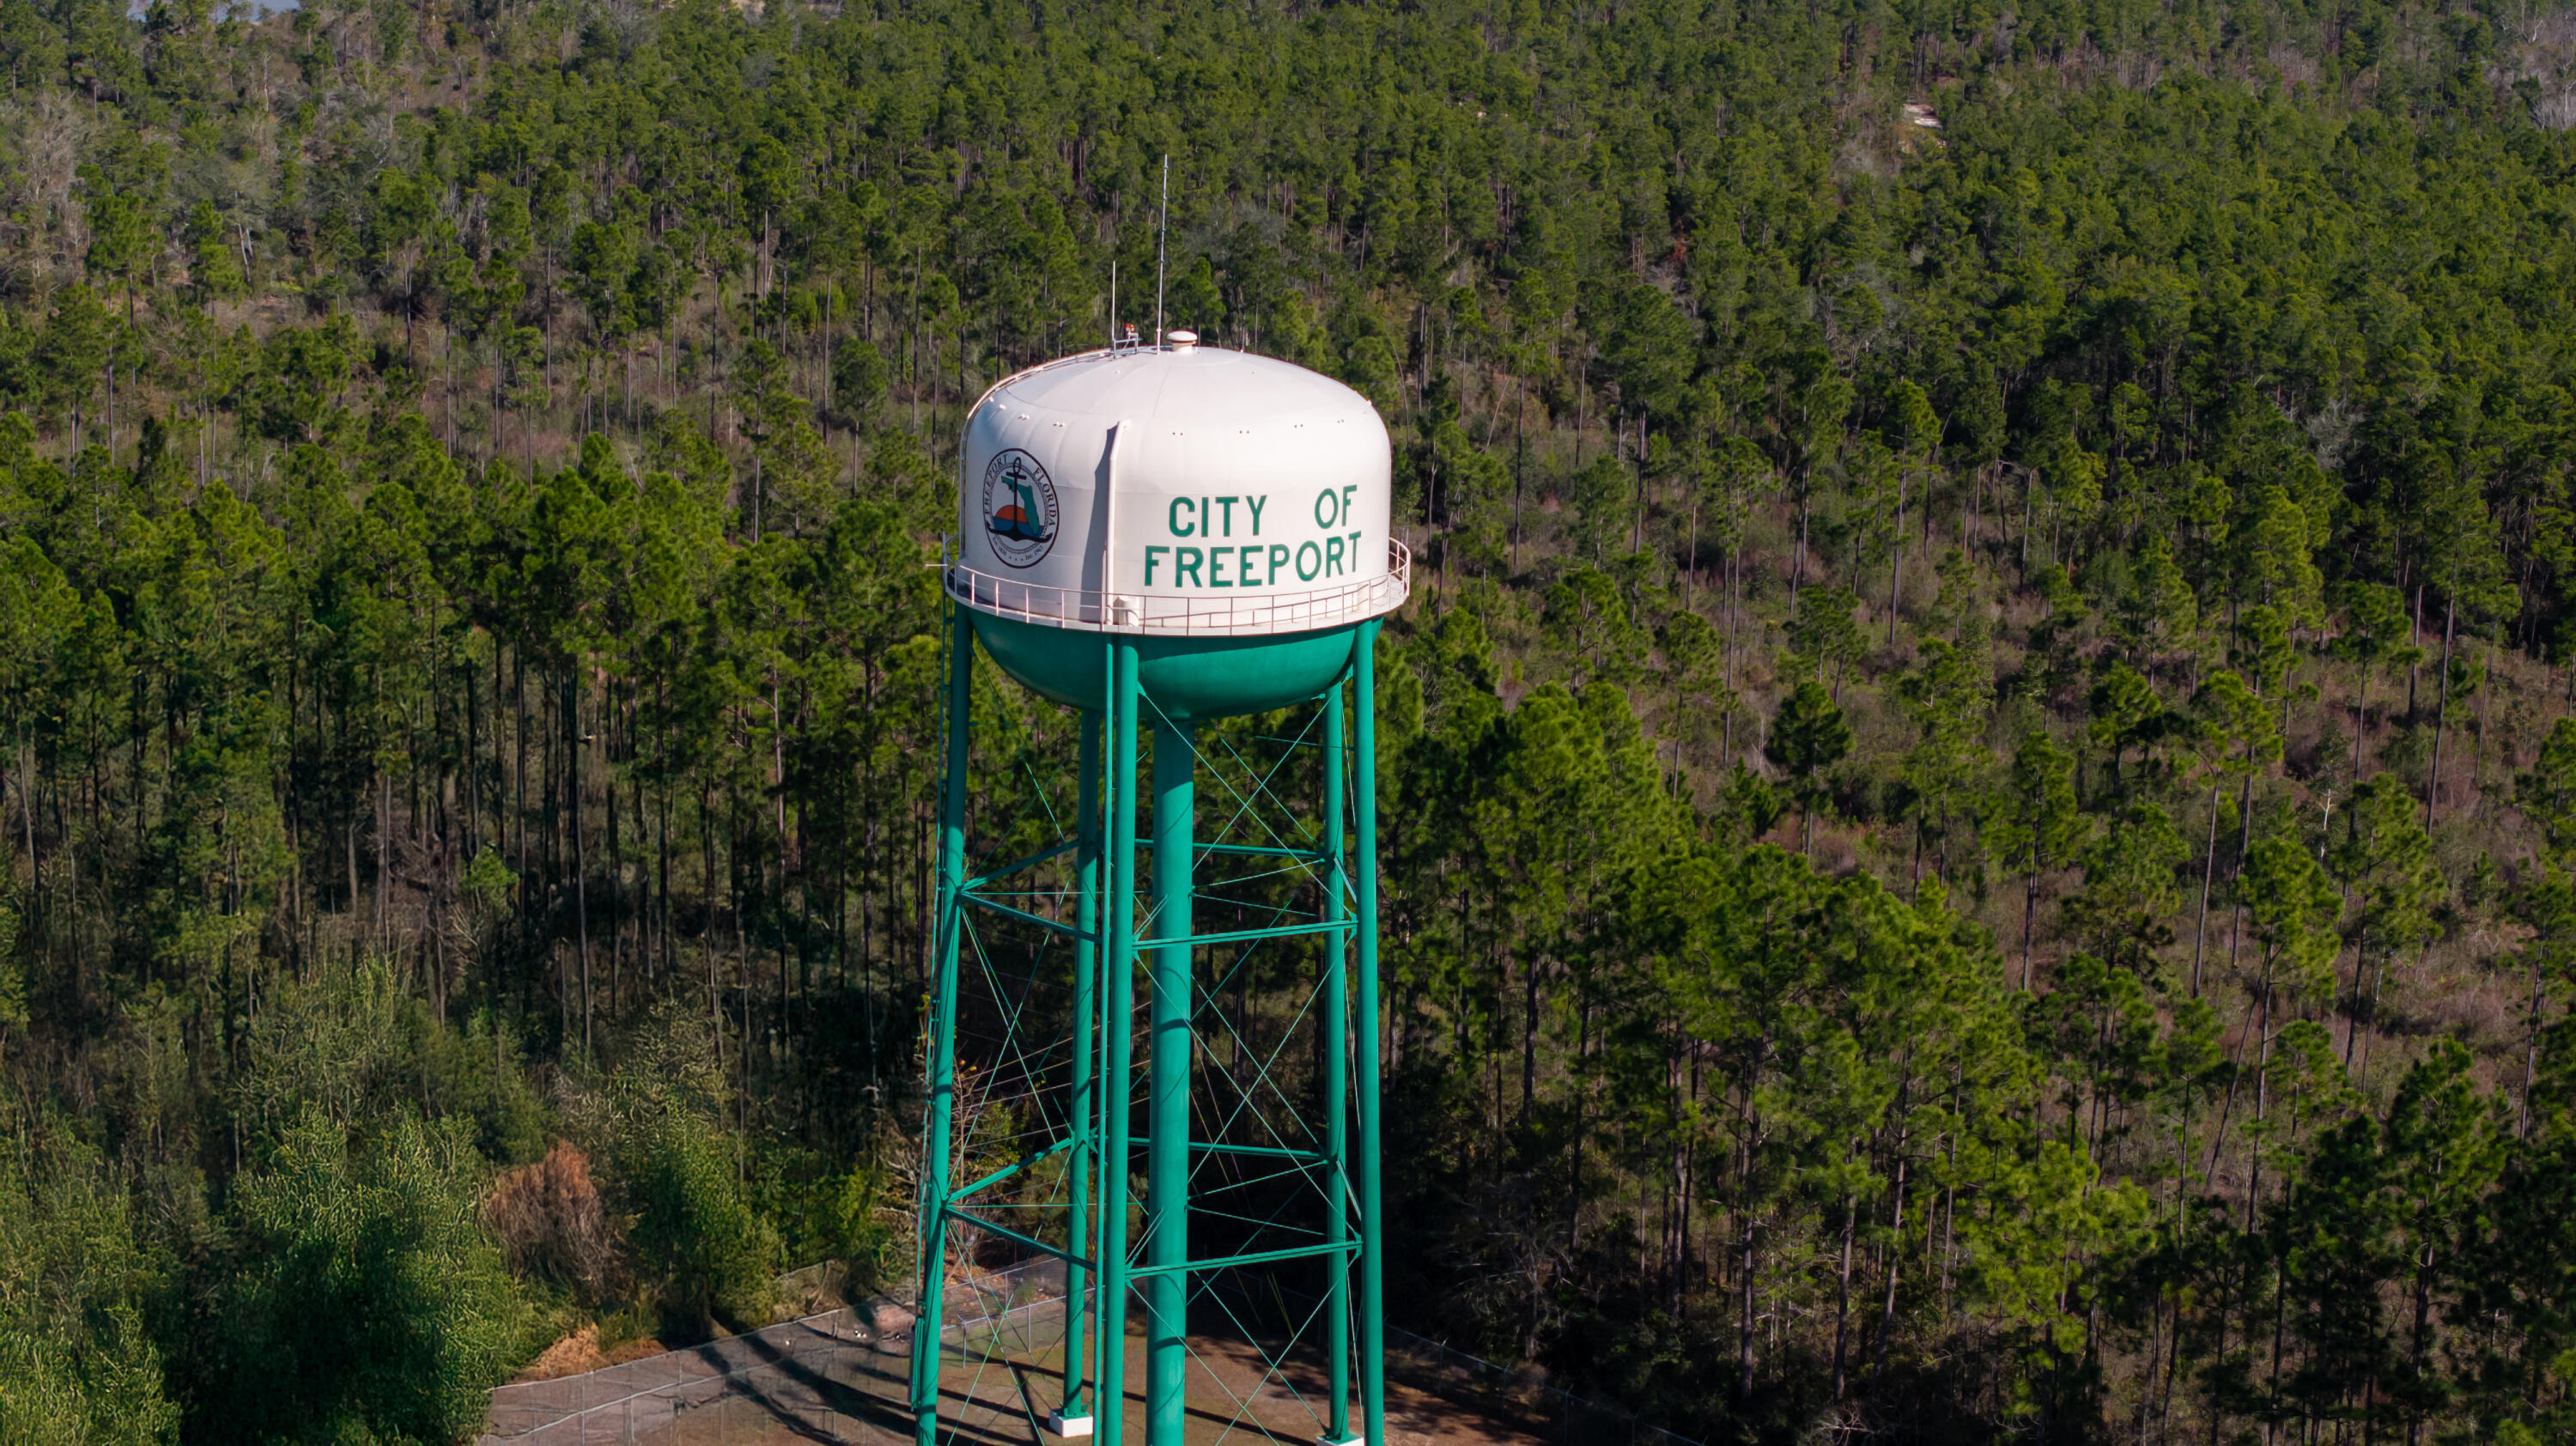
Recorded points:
(1182, 491)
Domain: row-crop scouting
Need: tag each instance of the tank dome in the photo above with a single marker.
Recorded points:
(1229, 513)
(1183, 491)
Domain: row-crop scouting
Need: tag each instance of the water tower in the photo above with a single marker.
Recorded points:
(1162, 538)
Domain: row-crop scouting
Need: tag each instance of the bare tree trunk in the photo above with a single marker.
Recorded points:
(1896, 570)
(2530, 1058)
(580, 852)
(2415, 669)
(2029, 913)
(1895, 1257)
(1690, 563)
(1520, 468)
(1842, 1298)
(1798, 572)
(384, 862)
(2441, 711)
(1744, 1314)
(1637, 529)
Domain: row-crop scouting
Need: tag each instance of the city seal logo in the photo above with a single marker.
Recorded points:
(1019, 509)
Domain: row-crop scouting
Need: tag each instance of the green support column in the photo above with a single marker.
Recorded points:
(1167, 1168)
(1335, 1020)
(932, 1281)
(1118, 1036)
(1084, 1107)
(1372, 1138)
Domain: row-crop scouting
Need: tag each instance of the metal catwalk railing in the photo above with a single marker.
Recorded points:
(1252, 614)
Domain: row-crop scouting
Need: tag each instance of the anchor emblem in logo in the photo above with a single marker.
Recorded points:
(1019, 509)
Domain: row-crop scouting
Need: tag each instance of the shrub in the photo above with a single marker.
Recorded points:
(551, 1225)
(707, 1252)
(75, 1362)
(359, 1298)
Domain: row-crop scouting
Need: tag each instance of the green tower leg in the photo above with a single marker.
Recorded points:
(1084, 1107)
(932, 1281)
(1102, 1146)
(1372, 1138)
(1335, 1020)
(1167, 1169)
(1118, 1036)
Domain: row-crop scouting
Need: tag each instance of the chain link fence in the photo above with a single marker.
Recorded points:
(836, 1376)
(1546, 1412)
(840, 1376)
(827, 1378)
(1555, 1415)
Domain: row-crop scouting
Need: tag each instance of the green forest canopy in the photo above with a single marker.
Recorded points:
(1979, 779)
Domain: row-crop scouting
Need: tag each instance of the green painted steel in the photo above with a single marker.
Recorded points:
(1052, 926)
(1372, 1235)
(1275, 931)
(1017, 865)
(1204, 677)
(1167, 1160)
(1118, 1013)
(1113, 679)
(1025, 1242)
(933, 1279)
(1257, 1152)
(1009, 1170)
(1249, 1257)
(1083, 1107)
(1336, 1024)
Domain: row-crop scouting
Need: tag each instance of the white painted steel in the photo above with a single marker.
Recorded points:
(1185, 490)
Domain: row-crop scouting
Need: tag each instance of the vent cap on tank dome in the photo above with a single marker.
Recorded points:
(1180, 491)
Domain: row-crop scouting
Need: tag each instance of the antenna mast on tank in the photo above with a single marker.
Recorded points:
(1113, 303)
(1162, 233)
